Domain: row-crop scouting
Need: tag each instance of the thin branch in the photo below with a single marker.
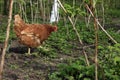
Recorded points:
(88, 21)
(31, 7)
(101, 25)
(93, 11)
(73, 25)
(6, 40)
(103, 13)
(96, 49)
(24, 13)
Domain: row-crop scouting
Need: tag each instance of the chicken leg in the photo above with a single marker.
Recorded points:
(29, 50)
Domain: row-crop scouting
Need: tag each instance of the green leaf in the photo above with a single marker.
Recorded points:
(116, 59)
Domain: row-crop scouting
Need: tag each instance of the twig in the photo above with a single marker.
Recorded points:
(97, 23)
(73, 25)
(101, 25)
(31, 7)
(91, 9)
(103, 13)
(6, 40)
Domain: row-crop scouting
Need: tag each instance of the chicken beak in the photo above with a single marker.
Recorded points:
(55, 28)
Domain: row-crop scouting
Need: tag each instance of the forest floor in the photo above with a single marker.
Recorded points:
(20, 66)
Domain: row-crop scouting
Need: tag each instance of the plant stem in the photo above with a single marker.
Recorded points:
(6, 40)
(101, 26)
(91, 9)
(96, 49)
(74, 28)
(31, 6)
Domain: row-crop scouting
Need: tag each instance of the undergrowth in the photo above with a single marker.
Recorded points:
(109, 53)
(61, 42)
(108, 67)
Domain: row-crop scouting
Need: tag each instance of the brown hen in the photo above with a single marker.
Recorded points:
(32, 35)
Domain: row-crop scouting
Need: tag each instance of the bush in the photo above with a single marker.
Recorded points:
(110, 61)
(108, 68)
(77, 70)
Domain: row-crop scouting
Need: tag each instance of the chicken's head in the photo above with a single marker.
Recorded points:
(18, 20)
(55, 28)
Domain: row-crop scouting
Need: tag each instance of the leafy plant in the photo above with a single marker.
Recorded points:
(114, 13)
(76, 70)
(110, 61)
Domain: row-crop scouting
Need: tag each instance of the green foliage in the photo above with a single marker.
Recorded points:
(3, 30)
(87, 34)
(108, 69)
(72, 10)
(3, 26)
(104, 39)
(114, 13)
(114, 34)
(58, 42)
(110, 61)
(75, 70)
(46, 50)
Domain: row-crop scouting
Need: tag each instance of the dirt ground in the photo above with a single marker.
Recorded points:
(19, 66)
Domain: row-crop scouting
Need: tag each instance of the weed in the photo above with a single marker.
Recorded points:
(110, 61)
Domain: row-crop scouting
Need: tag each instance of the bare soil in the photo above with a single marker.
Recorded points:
(19, 66)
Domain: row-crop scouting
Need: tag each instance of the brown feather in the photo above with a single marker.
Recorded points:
(32, 35)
